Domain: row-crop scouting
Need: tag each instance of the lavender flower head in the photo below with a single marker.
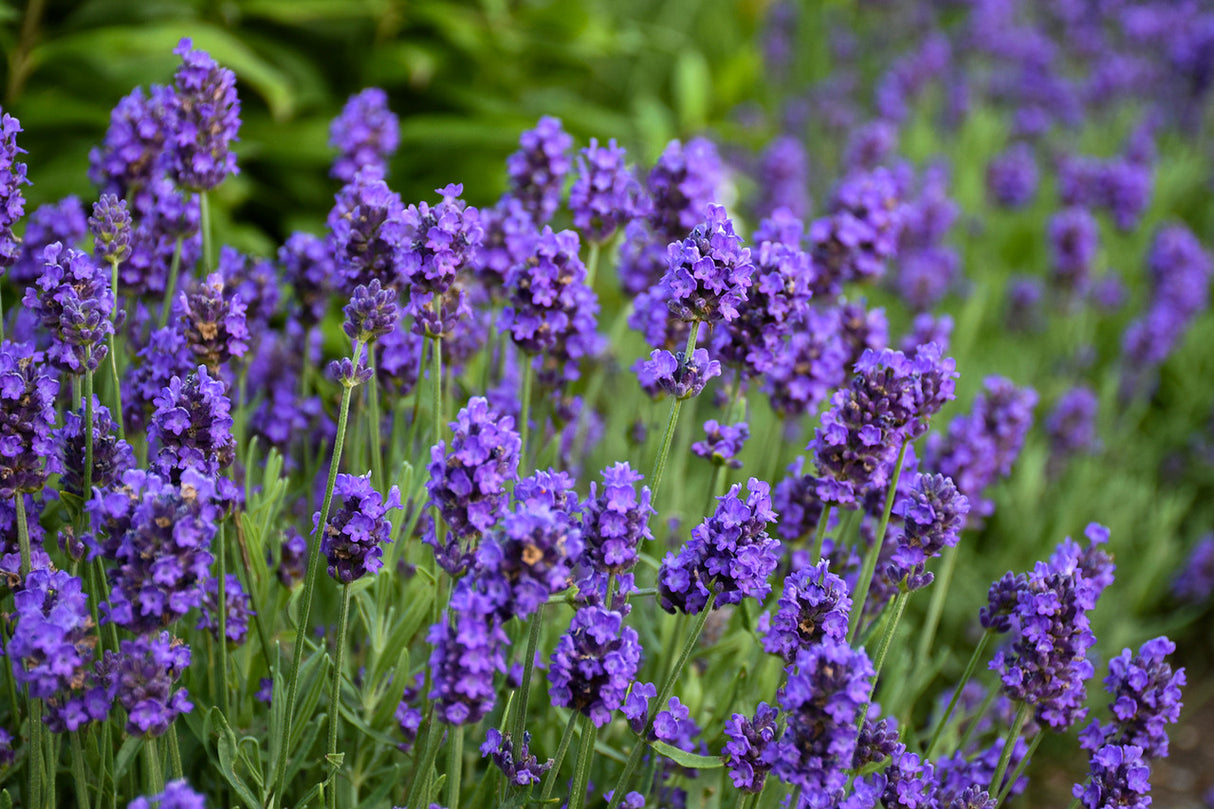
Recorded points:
(239, 609)
(308, 267)
(933, 516)
(27, 391)
(682, 184)
(176, 795)
(110, 225)
(783, 178)
(708, 273)
(468, 649)
(800, 371)
(438, 242)
(517, 762)
(52, 646)
(357, 528)
(615, 520)
(752, 741)
(1119, 776)
(859, 234)
(63, 221)
(544, 294)
(367, 231)
(468, 479)
(140, 677)
(12, 177)
(213, 323)
(1071, 426)
(132, 154)
(815, 606)
(371, 313)
(1194, 582)
(365, 135)
(537, 170)
(192, 425)
(531, 556)
(722, 443)
(112, 456)
(605, 196)
(594, 663)
(203, 120)
(675, 374)
(1146, 699)
(1011, 177)
(72, 300)
(1074, 238)
(730, 553)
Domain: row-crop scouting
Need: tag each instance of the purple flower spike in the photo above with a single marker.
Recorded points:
(517, 763)
(1146, 699)
(1074, 239)
(531, 557)
(365, 135)
(674, 374)
(729, 553)
(357, 529)
(594, 663)
(176, 795)
(439, 241)
(214, 324)
(72, 300)
(371, 313)
(683, 183)
(615, 520)
(933, 516)
(800, 371)
(132, 155)
(236, 625)
(203, 120)
(27, 393)
(307, 265)
(1119, 776)
(468, 650)
(537, 170)
(606, 195)
(12, 177)
(63, 221)
(708, 273)
(748, 753)
(783, 179)
(859, 234)
(111, 455)
(1011, 177)
(192, 425)
(548, 300)
(815, 606)
(140, 677)
(367, 231)
(110, 225)
(722, 443)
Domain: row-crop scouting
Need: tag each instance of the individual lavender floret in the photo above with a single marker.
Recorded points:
(468, 649)
(214, 324)
(52, 646)
(110, 225)
(783, 179)
(730, 553)
(815, 606)
(72, 300)
(354, 536)
(543, 293)
(722, 443)
(1119, 776)
(746, 754)
(531, 556)
(255, 283)
(1011, 177)
(12, 177)
(594, 663)
(140, 677)
(1146, 699)
(468, 480)
(371, 313)
(1074, 238)
(1194, 582)
(63, 221)
(674, 374)
(605, 195)
(826, 688)
(537, 170)
(438, 242)
(308, 267)
(615, 520)
(176, 795)
(203, 120)
(365, 135)
(239, 609)
(800, 371)
(708, 273)
(682, 184)
(520, 767)
(27, 392)
(112, 456)
(674, 725)
(367, 231)
(858, 235)
(509, 238)
(192, 425)
(933, 517)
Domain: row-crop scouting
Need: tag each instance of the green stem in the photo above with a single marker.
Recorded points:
(310, 577)
(935, 608)
(335, 696)
(377, 444)
(417, 397)
(663, 697)
(439, 422)
(208, 239)
(174, 753)
(221, 609)
(887, 638)
(870, 560)
(820, 533)
(534, 628)
(524, 413)
(170, 285)
(35, 756)
(585, 757)
(23, 536)
(425, 762)
(553, 773)
(117, 390)
(979, 652)
(151, 759)
(1022, 715)
(592, 263)
(1020, 768)
(455, 764)
(79, 776)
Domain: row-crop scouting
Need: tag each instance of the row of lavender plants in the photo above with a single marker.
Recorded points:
(533, 594)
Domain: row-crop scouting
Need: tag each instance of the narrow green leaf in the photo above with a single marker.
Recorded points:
(689, 760)
(126, 754)
(227, 749)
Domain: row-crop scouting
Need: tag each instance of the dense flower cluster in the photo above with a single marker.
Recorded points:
(730, 554)
(799, 373)
(533, 553)
(357, 528)
(72, 300)
(537, 170)
(746, 754)
(371, 313)
(815, 606)
(615, 520)
(203, 120)
(438, 242)
(12, 177)
(676, 374)
(176, 795)
(467, 650)
(547, 294)
(1118, 777)
(110, 225)
(722, 443)
(605, 195)
(367, 231)
(933, 516)
(682, 184)
(708, 273)
(213, 323)
(1146, 699)
(192, 425)
(236, 617)
(517, 762)
(140, 677)
(365, 135)
(594, 663)
(858, 235)
(112, 456)
(27, 453)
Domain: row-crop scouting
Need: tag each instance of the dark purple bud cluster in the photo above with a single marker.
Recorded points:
(72, 300)
(365, 135)
(140, 677)
(353, 538)
(367, 231)
(110, 225)
(111, 455)
(438, 242)
(371, 313)
(730, 553)
(816, 605)
(594, 663)
(468, 480)
(51, 649)
(1146, 699)
(239, 609)
(682, 184)
(1074, 239)
(1118, 777)
(12, 177)
(605, 195)
(517, 763)
(214, 323)
(255, 283)
(308, 267)
(933, 516)
(63, 221)
(203, 120)
(795, 499)
(165, 355)
(27, 451)
(752, 742)
(858, 234)
(722, 443)
(615, 520)
(800, 371)
(709, 272)
(537, 170)
(675, 374)
(192, 426)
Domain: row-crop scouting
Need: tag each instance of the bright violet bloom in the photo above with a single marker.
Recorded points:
(537, 170)
(1119, 776)
(605, 195)
(615, 520)
(682, 184)
(367, 231)
(1146, 699)
(438, 241)
(203, 120)
(111, 455)
(708, 273)
(746, 754)
(594, 663)
(675, 374)
(27, 451)
(236, 625)
(213, 322)
(63, 221)
(468, 650)
(192, 426)
(365, 135)
(176, 795)
(140, 677)
(72, 300)
(815, 606)
(722, 443)
(517, 763)
(12, 177)
(371, 313)
(357, 529)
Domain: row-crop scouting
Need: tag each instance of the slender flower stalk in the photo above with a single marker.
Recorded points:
(979, 653)
(171, 284)
(455, 763)
(534, 628)
(663, 454)
(820, 533)
(550, 780)
(1022, 715)
(936, 607)
(585, 758)
(870, 560)
(221, 610)
(335, 694)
